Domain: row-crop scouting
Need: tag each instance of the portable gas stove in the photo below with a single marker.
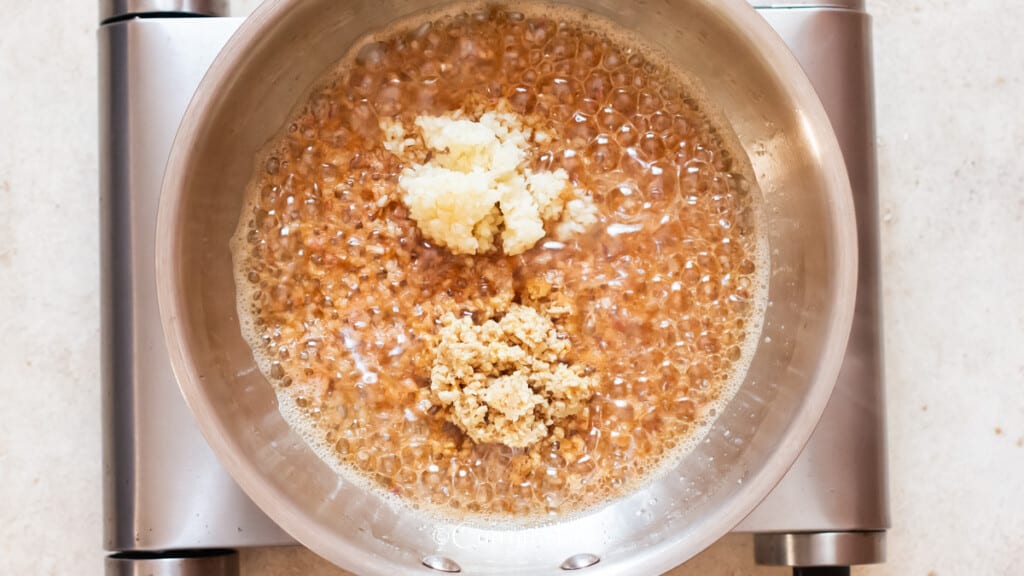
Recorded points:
(171, 510)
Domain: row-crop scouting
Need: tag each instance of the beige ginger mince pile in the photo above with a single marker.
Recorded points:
(506, 381)
(467, 184)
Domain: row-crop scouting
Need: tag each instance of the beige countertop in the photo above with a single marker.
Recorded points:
(950, 88)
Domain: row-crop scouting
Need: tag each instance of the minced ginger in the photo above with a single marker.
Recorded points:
(467, 182)
(507, 381)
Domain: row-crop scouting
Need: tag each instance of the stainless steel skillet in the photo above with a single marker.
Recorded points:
(247, 97)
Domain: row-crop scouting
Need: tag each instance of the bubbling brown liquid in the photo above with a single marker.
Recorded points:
(337, 288)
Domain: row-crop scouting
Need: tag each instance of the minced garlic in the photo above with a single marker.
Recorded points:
(467, 183)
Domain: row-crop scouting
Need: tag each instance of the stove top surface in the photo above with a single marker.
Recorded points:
(165, 490)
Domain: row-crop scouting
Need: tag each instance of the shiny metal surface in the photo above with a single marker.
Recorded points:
(840, 481)
(110, 9)
(820, 548)
(747, 71)
(163, 487)
(210, 563)
(442, 564)
(579, 561)
(855, 5)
